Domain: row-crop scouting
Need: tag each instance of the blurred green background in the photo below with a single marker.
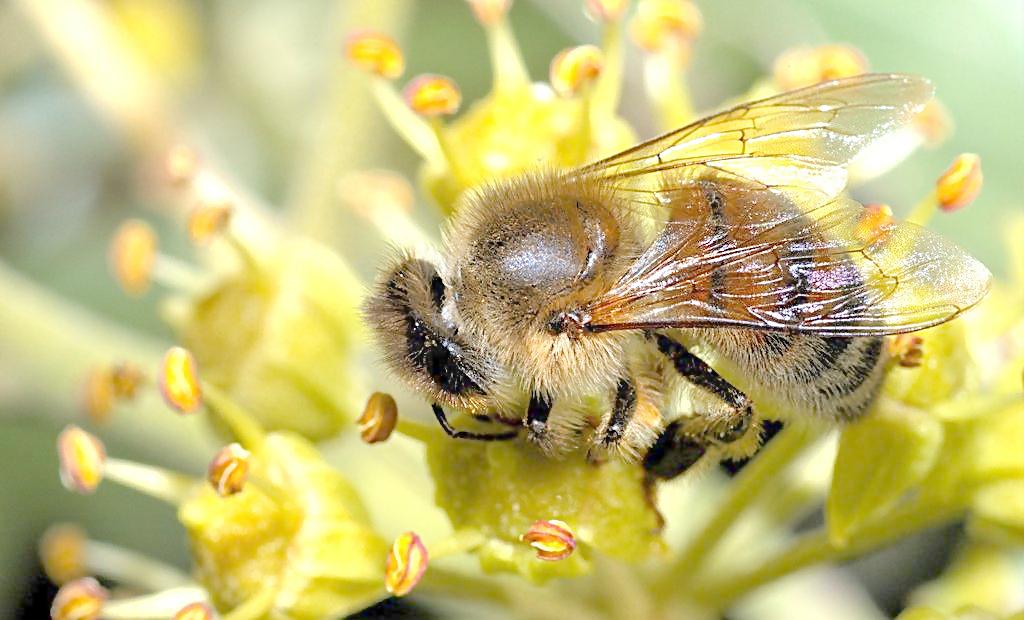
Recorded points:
(262, 85)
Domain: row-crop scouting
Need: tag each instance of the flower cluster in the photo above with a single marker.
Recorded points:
(270, 349)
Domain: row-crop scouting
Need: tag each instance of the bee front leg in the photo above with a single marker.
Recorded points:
(685, 441)
(537, 413)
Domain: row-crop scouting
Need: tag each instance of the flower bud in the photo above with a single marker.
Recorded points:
(376, 53)
(62, 553)
(194, 611)
(433, 95)
(302, 529)
(179, 381)
(574, 68)
(805, 66)
(606, 10)
(552, 539)
(960, 184)
(229, 469)
(81, 599)
(82, 457)
(379, 418)
(490, 12)
(405, 565)
(132, 256)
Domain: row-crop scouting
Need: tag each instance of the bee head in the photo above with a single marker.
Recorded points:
(406, 311)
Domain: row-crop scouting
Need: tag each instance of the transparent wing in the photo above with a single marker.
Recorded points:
(736, 255)
(794, 143)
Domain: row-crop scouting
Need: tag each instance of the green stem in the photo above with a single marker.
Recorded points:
(244, 426)
(814, 548)
(745, 488)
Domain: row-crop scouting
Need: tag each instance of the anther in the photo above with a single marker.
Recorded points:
(405, 564)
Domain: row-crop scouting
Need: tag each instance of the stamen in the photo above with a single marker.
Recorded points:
(405, 565)
(666, 29)
(62, 553)
(130, 568)
(379, 418)
(98, 394)
(552, 539)
(82, 599)
(229, 469)
(606, 10)
(171, 487)
(181, 165)
(434, 96)
(206, 221)
(241, 422)
(194, 611)
(875, 219)
(132, 256)
(805, 66)
(506, 59)
(165, 604)
(575, 69)
(489, 12)
(907, 350)
(608, 87)
(933, 122)
(414, 129)
(375, 53)
(385, 199)
(179, 381)
(82, 457)
(960, 184)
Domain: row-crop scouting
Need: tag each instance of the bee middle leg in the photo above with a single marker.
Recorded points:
(685, 441)
(442, 420)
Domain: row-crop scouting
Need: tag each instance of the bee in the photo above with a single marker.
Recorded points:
(734, 231)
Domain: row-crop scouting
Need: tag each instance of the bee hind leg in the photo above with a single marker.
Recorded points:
(685, 441)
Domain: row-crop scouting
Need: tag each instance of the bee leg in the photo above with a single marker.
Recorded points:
(537, 413)
(674, 452)
(684, 442)
(622, 412)
(442, 419)
(769, 429)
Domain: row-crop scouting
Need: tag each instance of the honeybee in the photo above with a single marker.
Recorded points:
(557, 288)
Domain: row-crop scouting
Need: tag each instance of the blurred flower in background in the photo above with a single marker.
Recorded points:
(230, 164)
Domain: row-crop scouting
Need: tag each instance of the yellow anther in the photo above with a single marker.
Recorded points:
(179, 380)
(62, 553)
(552, 539)
(875, 218)
(960, 184)
(125, 379)
(208, 220)
(379, 418)
(82, 457)
(229, 469)
(405, 565)
(661, 24)
(81, 599)
(490, 12)
(575, 68)
(132, 255)
(433, 95)
(181, 164)
(907, 350)
(804, 66)
(376, 53)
